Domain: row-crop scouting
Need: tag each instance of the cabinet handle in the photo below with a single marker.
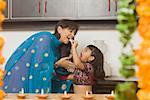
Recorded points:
(45, 7)
(39, 7)
(109, 6)
(116, 5)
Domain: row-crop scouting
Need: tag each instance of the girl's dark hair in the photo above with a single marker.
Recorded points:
(97, 63)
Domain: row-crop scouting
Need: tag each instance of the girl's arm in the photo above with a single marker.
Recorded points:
(75, 55)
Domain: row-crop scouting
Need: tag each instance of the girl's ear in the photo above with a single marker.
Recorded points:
(91, 58)
(59, 29)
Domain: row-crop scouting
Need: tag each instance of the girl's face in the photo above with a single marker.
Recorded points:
(65, 34)
(85, 55)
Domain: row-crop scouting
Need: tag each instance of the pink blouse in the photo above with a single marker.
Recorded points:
(84, 77)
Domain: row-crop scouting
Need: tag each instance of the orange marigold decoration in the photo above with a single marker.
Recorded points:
(2, 93)
(2, 7)
(143, 53)
(2, 59)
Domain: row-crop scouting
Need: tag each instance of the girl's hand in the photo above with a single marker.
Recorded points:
(74, 44)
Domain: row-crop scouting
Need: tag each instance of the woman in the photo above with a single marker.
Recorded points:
(31, 66)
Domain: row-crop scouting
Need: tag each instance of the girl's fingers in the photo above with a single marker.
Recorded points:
(67, 58)
(70, 56)
(74, 43)
(71, 40)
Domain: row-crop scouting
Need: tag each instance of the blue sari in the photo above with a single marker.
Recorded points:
(31, 66)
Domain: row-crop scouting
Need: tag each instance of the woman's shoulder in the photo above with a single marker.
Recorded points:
(43, 34)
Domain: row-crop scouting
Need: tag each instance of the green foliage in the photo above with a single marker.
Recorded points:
(126, 26)
(125, 91)
(126, 20)
(127, 62)
(127, 72)
(127, 59)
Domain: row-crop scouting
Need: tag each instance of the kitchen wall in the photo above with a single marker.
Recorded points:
(85, 37)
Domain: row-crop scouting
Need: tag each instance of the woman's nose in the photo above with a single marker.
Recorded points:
(71, 36)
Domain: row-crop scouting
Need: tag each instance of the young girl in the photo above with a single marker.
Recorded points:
(88, 67)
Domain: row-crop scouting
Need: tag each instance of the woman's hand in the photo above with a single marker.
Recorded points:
(70, 77)
(64, 62)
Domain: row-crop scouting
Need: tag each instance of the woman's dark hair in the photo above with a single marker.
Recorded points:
(97, 63)
(65, 23)
(71, 25)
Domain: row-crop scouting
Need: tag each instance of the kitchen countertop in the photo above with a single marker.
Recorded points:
(109, 84)
(57, 97)
(119, 78)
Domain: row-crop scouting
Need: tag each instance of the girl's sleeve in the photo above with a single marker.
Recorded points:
(88, 68)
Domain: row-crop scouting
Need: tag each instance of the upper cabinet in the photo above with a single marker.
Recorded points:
(43, 9)
(97, 9)
(62, 9)
(25, 9)
(93, 9)
(113, 7)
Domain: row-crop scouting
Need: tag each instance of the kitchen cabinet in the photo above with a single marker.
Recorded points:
(93, 8)
(26, 9)
(114, 7)
(96, 9)
(43, 9)
(59, 9)
(63, 9)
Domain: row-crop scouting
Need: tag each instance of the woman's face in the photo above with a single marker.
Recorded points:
(85, 55)
(65, 34)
